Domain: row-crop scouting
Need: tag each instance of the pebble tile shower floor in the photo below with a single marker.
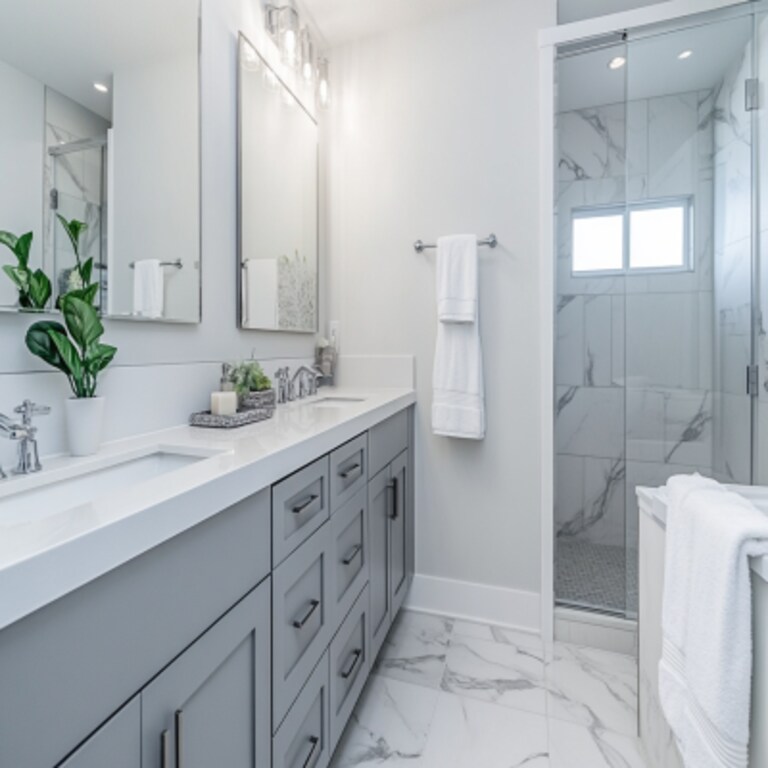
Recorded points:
(447, 693)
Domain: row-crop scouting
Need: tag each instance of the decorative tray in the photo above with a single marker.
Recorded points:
(239, 419)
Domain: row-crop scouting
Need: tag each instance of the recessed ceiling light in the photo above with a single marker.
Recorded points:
(684, 55)
(617, 62)
(101, 88)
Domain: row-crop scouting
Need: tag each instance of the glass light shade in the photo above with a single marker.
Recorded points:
(307, 50)
(323, 87)
(288, 35)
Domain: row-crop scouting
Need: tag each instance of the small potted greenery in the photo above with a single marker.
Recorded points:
(253, 386)
(76, 350)
(34, 287)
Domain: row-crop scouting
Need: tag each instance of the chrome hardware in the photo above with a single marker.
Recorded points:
(299, 623)
(357, 654)
(355, 468)
(392, 486)
(24, 434)
(353, 553)
(299, 508)
(306, 379)
(314, 741)
(490, 241)
(282, 376)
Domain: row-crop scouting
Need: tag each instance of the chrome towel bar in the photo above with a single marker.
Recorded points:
(490, 241)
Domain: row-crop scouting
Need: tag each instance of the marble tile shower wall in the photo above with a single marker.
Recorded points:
(633, 361)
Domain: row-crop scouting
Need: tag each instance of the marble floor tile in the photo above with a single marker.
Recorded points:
(593, 688)
(496, 672)
(573, 746)
(497, 634)
(415, 649)
(390, 725)
(467, 733)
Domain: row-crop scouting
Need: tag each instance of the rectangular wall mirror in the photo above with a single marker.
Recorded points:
(278, 202)
(101, 126)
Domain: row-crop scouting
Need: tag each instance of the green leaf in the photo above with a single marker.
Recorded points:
(90, 293)
(73, 229)
(98, 357)
(40, 344)
(82, 321)
(19, 277)
(23, 246)
(85, 271)
(69, 355)
(9, 240)
(39, 289)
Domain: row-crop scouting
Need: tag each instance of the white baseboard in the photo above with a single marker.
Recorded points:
(475, 602)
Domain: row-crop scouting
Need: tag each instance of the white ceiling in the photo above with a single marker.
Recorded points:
(71, 45)
(343, 20)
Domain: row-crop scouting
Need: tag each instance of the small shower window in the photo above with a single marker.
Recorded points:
(646, 236)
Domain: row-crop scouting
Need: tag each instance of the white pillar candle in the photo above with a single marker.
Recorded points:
(223, 403)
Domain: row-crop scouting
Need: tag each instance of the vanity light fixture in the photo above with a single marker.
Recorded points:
(683, 55)
(617, 62)
(101, 88)
(307, 52)
(323, 88)
(283, 24)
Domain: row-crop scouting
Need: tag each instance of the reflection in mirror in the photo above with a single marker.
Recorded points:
(101, 126)
(278, 202)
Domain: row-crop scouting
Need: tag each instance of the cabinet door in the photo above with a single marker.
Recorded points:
(398, 532)
(379, 505)
(116, 744)
(211, 707)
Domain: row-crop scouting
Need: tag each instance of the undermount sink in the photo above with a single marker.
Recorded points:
(58, 495)
(331, 401)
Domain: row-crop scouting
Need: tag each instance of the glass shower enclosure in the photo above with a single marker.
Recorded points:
(660, 347)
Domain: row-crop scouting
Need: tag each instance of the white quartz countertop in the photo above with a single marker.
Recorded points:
(44, 556)
(653, 502)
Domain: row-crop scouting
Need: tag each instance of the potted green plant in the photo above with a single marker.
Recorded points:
(80, 283)
(34, 287)
(253, 386)
(76, 350)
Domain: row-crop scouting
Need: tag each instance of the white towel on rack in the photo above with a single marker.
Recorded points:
(458, 404)
(457, 279)
(148, 288)
(705, 673)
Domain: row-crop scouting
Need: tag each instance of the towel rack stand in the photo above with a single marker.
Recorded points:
(176, 264)
(490, 241)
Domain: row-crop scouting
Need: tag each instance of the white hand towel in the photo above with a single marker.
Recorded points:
(148, 290)
(705, 672)
(458, 404)
(457, 279)
(260, 293)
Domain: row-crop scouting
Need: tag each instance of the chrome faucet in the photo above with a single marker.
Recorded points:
(282, 375)
(306, 379)
(24, 434)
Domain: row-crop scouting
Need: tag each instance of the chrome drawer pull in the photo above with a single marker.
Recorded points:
(357, 654)
(165, 748)
(392, 486)
(299, 623)
(354, 469)
(179, 724)
(314, 741)
(353, 553)
(299, 508)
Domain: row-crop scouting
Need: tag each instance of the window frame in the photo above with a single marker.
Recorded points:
(625, 210)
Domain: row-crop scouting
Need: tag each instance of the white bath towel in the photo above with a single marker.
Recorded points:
(457, 279)
(148, 288)
(705, 671)
(458, 404)
(260, 293)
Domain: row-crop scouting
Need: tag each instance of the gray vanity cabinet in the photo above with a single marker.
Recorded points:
(379, 490)
(116, 744)
(399, 526)
(210, 707)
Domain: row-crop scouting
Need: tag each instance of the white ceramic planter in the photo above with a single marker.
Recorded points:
(85, 422)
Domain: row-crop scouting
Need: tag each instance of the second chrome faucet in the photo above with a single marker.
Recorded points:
(25, 435)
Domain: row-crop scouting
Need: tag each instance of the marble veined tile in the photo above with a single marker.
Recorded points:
(390, 725)
(596, 689)
(574, 746)
(466, 733)
(505, 635)
(499, 673)
(415, 649)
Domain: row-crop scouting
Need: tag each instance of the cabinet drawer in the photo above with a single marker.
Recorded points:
(349, 471)
(299, 507)
(387, 440)
(302, 616)
(304, 737)
(349, 553)
(349, 665)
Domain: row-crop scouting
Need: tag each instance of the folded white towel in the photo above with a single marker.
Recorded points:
(458, 405)
(148, 290)
(457, 279)
(705, 671)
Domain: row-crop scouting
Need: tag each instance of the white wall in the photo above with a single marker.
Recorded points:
(433, 130)
(147, 352)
